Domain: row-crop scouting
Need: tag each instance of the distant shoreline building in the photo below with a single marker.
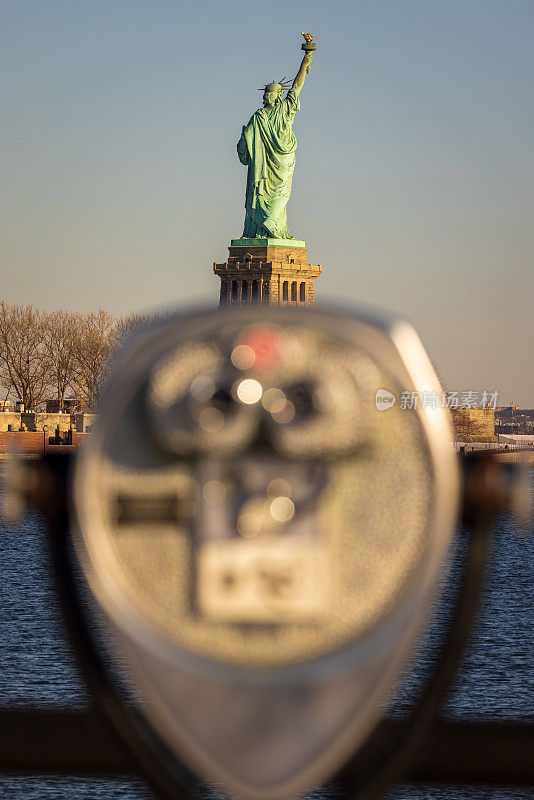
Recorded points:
(512, 419)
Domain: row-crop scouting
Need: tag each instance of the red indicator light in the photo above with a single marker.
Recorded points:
(265, 343)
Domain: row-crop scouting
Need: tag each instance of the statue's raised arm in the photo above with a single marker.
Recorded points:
(267, 147)
(304, 68)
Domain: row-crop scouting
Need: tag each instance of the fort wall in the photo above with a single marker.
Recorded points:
(474, 424)
(35, 421)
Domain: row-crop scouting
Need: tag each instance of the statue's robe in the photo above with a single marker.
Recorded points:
(267, 146)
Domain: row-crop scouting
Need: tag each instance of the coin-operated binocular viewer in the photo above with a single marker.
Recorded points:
(262, 527)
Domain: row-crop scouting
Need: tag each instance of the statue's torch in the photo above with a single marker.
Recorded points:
(308, 45)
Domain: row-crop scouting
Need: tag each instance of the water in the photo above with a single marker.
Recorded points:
(496, 680)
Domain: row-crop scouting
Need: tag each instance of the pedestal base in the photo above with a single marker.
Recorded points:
(267, 272)
(267, 243)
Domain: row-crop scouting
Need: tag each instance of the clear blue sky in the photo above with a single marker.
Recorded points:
(414, 183)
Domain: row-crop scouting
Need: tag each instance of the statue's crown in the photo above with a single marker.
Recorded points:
(283, 83)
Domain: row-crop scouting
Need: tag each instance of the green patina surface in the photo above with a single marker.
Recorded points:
(267, 147)
(257, 242)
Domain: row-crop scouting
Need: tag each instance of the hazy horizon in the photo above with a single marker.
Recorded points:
(414, 179)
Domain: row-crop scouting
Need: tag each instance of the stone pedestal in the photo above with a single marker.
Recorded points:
(267, 272)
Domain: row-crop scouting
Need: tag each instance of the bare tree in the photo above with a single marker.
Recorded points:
(127, 324)
(130, 323)
(40, 351)
(439, 373)
(94, 344)
(24, 367)
(59, 333)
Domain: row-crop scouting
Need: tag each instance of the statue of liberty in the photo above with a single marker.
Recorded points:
(267, 147)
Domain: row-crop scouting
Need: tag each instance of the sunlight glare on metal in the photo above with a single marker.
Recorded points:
(285, 414)
(274, 400)
(243, 357)
(282, 509)
(249, 391)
